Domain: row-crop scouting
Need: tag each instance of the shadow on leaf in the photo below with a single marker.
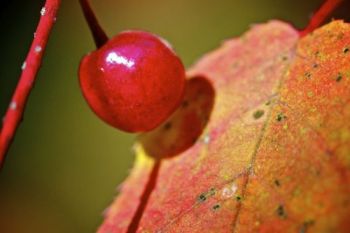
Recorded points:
(185, 125)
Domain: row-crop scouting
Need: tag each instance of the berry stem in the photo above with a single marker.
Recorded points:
(320, 16)
(151, 184)
(99, 35)
(14, 113)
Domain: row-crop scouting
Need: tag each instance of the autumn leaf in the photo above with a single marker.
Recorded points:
(275, 153)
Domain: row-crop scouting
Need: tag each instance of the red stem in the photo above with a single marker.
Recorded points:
(320, 16)
(30, 69)
(151, 184)
(100, 37)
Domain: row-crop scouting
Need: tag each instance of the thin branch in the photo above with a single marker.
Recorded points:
(320, 16)
(150, 186)
(30, 69)
(98, 33)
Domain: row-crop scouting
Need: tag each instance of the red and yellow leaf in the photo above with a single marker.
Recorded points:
(275, 154)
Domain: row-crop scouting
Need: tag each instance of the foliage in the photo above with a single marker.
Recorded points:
(274, 156)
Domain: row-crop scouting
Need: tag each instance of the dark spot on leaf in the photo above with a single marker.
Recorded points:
(202, 198)
(258, 113)
(268, 103)
(216, 207)
(280, 117)
(238, 198)
(284, 58)
(346, 50)
(315, 65)
(317, 53)
(211, 192)
(277, 183)
(308, 75)
(339, 78)
(306, 225)
(167, 126)
(185, 104)
(194, 140)
(281, 212)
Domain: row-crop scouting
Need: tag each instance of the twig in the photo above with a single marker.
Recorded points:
(97, 32)
(150, 186)
(320, 16)
(30, 69)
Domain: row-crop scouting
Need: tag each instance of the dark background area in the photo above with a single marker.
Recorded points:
(64, 165)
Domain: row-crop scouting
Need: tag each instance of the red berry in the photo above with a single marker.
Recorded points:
(133, 82)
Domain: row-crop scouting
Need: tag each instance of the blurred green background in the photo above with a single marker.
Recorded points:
(65, 164)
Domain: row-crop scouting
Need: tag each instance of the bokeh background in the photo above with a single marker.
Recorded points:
(65, 164)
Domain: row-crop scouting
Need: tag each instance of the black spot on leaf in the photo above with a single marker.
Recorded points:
(258, 113)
